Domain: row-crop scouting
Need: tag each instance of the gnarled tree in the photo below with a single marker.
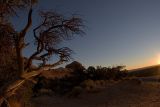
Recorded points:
(53, 29)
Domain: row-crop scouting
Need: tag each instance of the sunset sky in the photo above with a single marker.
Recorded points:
(118, 32)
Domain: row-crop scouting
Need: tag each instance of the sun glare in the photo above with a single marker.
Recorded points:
(158, 62)
(158, 59)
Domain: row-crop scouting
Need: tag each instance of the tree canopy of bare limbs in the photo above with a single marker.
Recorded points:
(53, 29)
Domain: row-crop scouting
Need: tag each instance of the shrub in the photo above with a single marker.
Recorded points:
(76, 91)
(100, 82)
(88, 84)
(104, 73)
(88, 79)
(59, 86)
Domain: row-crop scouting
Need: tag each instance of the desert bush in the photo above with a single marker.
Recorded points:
(93, 86)
(104, 73)
(100, 82)
(59, 86)
(89, 79)
(76, 91)
(88, 85)
(42, 82)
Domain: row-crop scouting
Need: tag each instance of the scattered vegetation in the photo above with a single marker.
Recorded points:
(80, 79)
(104, 73)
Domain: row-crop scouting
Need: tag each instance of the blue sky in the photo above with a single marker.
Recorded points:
(118, 32)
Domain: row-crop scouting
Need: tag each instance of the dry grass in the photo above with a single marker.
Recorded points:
(127, 93)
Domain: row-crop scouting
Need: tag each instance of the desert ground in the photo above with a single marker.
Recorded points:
(137, 92)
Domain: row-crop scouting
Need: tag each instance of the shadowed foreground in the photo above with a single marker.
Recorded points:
(127, 93)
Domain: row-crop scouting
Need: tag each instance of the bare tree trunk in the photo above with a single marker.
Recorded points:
(20, 43)
(20, 59)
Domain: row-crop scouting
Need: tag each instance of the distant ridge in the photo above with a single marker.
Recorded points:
(153, 70)
(146, 67)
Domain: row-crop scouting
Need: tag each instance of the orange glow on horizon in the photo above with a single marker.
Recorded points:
(158, 59)
(150, 62)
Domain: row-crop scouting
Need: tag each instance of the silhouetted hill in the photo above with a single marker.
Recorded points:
(146, 71)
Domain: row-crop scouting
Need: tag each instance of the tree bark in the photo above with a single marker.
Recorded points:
(20, 60)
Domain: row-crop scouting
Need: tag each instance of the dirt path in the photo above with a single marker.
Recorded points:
(128, 93)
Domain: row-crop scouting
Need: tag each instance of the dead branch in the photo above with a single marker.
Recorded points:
(29, 23)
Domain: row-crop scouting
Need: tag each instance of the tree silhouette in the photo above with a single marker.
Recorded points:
(53, 29)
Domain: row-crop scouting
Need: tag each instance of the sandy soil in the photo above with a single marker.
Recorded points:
(128, 93)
